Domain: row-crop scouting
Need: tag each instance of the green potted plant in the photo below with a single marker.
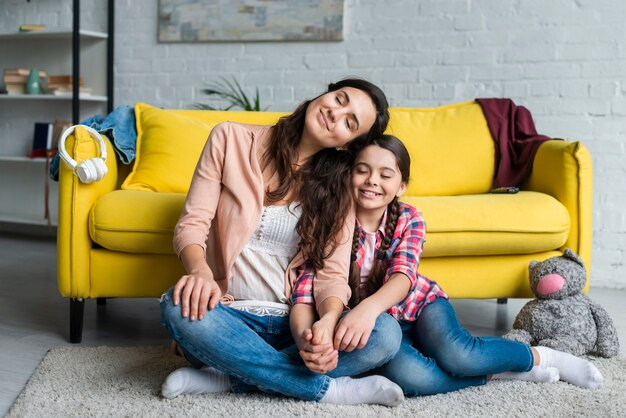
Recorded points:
(233, 94)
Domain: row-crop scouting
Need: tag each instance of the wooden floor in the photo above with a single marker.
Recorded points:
(35, 318)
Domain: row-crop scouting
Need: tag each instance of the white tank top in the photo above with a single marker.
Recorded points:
(258, 275)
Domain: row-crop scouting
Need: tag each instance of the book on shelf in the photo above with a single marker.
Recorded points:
(15, 89)
(63, 79)
(67, 91)
(15, 78)
(29, 27)
(42, 139)
(46, 137)
(23, 71)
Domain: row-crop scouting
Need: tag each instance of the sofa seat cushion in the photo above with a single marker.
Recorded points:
(135, 221)
(468, 225)
(492, 224)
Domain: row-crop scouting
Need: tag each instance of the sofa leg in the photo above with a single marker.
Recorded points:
(77, 310)
(502, 301)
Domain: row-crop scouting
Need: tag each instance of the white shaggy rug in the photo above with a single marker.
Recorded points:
(125, 382)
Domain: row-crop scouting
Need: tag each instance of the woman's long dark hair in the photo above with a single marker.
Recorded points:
(375, 278)
(325, 201)
(285, 137)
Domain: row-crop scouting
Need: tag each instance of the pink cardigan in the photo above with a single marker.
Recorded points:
(226, 195)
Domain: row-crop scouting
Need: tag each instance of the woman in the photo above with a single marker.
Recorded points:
(243, 202)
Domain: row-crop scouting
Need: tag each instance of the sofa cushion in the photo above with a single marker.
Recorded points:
(492, 224)
(169, 143)
(136, 221)
(452, 152)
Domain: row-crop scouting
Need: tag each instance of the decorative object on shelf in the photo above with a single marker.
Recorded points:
(33, 83)
(233, 94)
(92, 169)
(215, 20)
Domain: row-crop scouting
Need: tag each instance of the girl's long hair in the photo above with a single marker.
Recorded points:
(376, 275)
(282, 151)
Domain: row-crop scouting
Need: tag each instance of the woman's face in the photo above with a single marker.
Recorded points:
(376, 178)
(337, 117)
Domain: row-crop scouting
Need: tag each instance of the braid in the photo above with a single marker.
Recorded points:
(354, 277)
(375, 279)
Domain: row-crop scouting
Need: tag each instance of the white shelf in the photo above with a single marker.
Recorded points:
(52, 34)
(83, 97)
(21, 159)
(25, 220)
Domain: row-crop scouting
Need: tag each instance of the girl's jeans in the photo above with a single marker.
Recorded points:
(259, 351)
(438, 355)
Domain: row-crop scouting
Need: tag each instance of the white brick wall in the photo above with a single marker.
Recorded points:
(565, 60)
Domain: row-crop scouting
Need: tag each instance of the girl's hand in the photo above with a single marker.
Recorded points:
(354, 329)
(318, 357)
(196, 291)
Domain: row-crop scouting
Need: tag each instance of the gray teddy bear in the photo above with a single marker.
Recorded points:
(562, 317)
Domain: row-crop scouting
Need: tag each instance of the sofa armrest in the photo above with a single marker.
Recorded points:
(75, 202)
(563, 170)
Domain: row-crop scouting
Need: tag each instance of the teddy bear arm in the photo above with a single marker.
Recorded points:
(607, 344)
(520, 335)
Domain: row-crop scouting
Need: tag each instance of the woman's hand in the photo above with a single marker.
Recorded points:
(198, 289)
(197, 292)
(354, 329)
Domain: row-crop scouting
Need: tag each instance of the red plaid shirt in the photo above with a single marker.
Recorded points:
(402, 256)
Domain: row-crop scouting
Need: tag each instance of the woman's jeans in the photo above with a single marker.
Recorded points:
(260, 351)
(438, 355)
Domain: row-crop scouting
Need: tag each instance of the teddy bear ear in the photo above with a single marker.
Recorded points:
(532, 265)
(569, 253)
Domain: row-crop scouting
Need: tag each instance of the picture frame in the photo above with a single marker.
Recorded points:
(250, 21)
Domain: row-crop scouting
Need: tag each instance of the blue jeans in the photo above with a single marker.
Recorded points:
(259, 351)
(438, 355)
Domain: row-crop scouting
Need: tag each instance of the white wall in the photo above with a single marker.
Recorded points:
(564, 60)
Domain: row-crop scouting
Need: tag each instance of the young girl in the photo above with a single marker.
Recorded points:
(437, 354)
(237, 233)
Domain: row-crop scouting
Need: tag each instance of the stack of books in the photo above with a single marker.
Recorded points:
(15, 79)
(61, 85)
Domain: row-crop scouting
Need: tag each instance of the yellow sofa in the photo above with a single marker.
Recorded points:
(115, 236)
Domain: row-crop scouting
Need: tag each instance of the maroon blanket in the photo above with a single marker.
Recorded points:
(516, 139)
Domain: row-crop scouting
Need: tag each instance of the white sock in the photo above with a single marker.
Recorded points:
(572, 369)
(369, 390)
(188, 380)
(536, 374)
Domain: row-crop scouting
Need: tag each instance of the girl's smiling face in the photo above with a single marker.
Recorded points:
(376, 179)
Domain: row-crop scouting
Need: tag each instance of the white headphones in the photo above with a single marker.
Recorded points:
(92, 169)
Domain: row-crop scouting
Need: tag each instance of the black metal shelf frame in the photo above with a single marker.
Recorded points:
(76, 58)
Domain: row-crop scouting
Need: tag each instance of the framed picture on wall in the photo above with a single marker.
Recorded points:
(250, 20)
